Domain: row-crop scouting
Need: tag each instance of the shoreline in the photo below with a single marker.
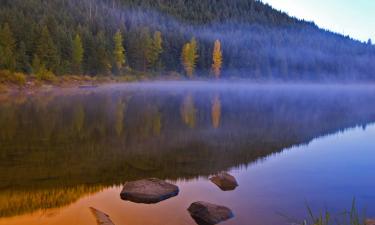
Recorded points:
(32, 85)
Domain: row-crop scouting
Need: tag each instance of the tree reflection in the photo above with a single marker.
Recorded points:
(216, 111)
(119, 115)
(65, 140)
(188, 111)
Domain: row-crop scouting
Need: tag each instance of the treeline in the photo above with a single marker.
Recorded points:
(79, 37)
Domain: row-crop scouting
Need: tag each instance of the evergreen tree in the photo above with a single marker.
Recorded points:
(119, 51)
(46, 50)
(146, 48)
(77, 54)
(102, 56)
(36, 65)
(217, 59)
(156, 48)
(23, 63)
(139, 48)
(189, 57)
(7, 48)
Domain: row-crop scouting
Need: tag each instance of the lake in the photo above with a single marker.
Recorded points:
(288, 146)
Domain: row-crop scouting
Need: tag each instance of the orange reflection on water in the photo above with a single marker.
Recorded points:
(172, 211)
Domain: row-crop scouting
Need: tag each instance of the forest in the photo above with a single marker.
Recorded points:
(201, 39)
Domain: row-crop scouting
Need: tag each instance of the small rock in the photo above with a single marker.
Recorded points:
(101, 218)
(148, 191)
(370, 222)
(224, 181)
(209, 214)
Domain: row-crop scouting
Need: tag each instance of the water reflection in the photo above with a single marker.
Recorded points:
(188, 111)
(58, 147)
(216, 111)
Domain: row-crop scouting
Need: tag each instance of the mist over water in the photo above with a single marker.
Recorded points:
(292, 116)
(284, 143)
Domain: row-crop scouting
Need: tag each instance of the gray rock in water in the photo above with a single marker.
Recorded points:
(101, 217)
(370, 222)
(224, 181)
(148, 191)
(209, 214)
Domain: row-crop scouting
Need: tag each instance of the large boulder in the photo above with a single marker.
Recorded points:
(205, 213)
(148, 191)
(370, 222)
(224, 181)
(101, 217)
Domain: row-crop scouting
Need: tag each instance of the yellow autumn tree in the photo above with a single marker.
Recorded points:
(188, 111)
(217, 59)
(216, 112)
(189, 57)
(119, 51)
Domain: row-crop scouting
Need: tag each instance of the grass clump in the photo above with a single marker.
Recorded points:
(351, 217)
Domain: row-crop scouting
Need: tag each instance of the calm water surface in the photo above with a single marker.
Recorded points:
(63, 151)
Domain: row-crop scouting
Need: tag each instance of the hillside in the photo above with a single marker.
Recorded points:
(258, 42)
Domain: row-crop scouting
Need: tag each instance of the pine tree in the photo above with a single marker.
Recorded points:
(102, 57)
(146, 47)
(46, 50)
(7, 48)
(23, 61)
(217, 59)
(77, 54)
(119, 51)
(36, 65)
(189, 57)
(156, 48)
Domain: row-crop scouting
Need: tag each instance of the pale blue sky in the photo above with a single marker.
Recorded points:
(355, 18)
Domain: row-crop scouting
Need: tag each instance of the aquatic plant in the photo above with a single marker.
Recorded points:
(351, 217)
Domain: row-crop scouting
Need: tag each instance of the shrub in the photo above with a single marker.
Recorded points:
(19, 78)
(7, 76)
(44, 74)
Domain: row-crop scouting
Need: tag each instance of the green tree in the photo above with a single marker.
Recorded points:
(46, 50)
(7, 48)
(77, 54)
(102, 57)
(36, 65)
(146, 46)
(119, 51)
(155, 49)
(23, 63)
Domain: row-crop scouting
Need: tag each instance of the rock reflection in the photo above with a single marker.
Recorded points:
(100, 138)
